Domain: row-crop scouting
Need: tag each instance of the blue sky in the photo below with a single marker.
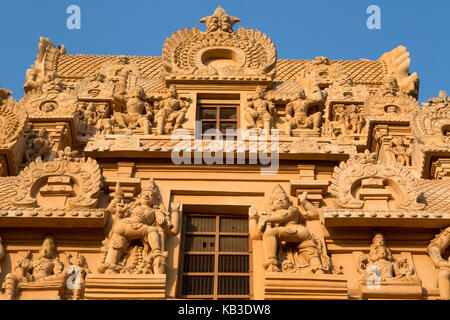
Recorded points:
(300, 29)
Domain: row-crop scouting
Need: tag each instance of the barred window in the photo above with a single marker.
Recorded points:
(215, 257)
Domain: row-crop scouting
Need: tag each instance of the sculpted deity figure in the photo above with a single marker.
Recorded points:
(139, 112)
(46, 267)
(297, 113)
(260, 113)
(435, 250)
(353, 122)
(145, 219)
(172, 111)
(381, 257)
(401, 152)
(87, 119)
(282, 222)
(390, 86)
(37, 146)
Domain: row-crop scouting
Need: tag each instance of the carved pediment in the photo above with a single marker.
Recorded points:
(54, 101)
(398, 106)
(363, 180)
(219, 53)
(74, 181)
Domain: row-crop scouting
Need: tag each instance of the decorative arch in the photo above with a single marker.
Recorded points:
(84, 172)
(362, 166)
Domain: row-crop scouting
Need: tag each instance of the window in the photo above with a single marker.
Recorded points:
(215, 258)
(219, 117)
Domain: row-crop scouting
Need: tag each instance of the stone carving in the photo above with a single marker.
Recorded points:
(58, 178)
(387, 268)
(2, 251)
(431, 122)
(171, 113)
(259, 112)
(36, 145)
(352, 120)
(146, 220)
(436, 249)
(303, 113)
(325, 70)
(87, 118)
(138, 111)
(285, 222)
(390, 103)
(219, 21)
(13, 118)
(397, 63)
(54, 101)
(343, 89)
(401, 151)
(42, 270)
(122, 72)
(364, 171)
(96, 86)
(43, 66)
(219, 52)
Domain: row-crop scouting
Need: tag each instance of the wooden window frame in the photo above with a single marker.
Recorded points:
(217, 104)
(216, 253)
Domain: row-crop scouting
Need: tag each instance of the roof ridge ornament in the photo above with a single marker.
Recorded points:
(219, 21)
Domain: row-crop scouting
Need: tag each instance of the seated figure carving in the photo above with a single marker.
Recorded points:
(146, 220)
(298, 113)
(44, 268)
(138, 111)
(283, 222)
(172, 111)
(386, 267)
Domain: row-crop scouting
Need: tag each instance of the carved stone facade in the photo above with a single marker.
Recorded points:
(112, 187)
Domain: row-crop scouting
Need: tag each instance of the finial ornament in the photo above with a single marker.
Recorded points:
(219, 21)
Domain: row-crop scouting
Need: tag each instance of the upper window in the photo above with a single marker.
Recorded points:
(219, 118)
